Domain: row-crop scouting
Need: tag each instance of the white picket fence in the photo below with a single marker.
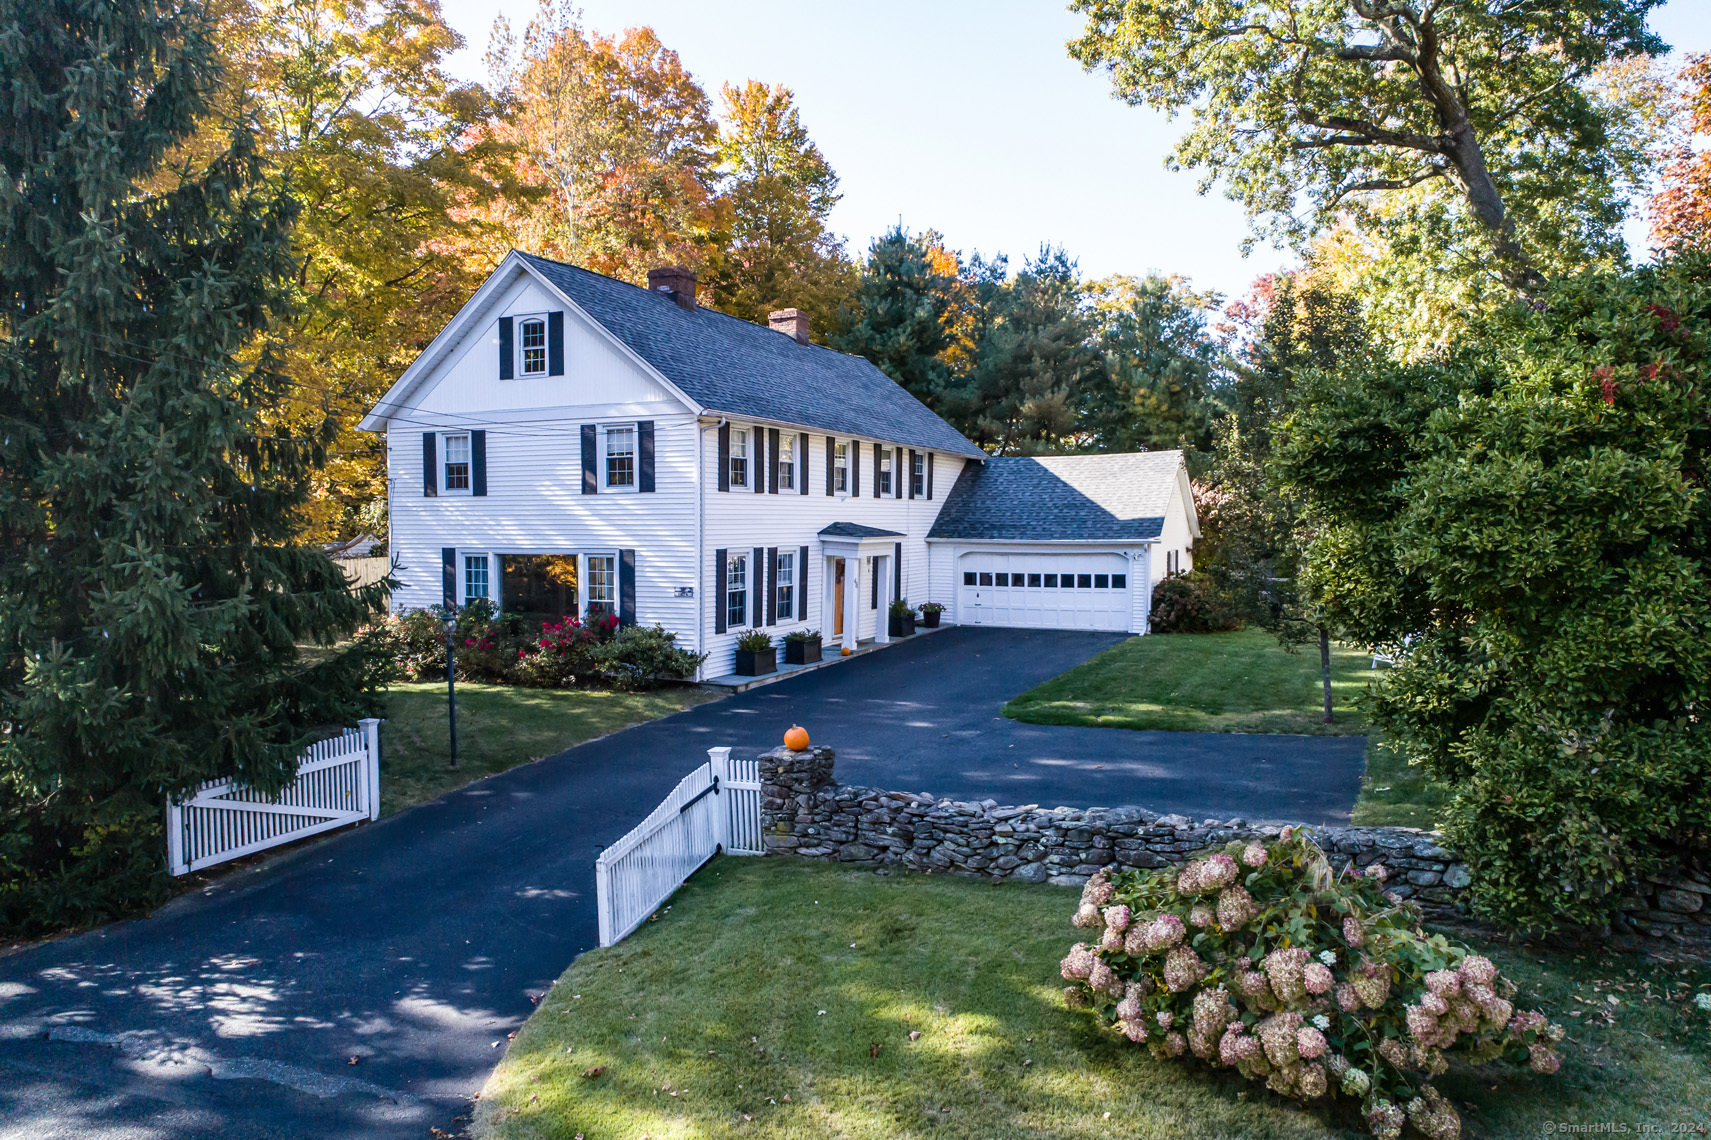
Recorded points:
(338, 782)
(714, 808)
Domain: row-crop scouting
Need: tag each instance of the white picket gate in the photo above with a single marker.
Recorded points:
(338, 782)
(714, 808)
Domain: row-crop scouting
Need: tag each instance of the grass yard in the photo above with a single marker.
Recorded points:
(498, 727)
(1396, 794)
(1203, 682)
(775, 1000)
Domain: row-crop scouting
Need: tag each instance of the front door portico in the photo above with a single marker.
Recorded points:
(857, 567)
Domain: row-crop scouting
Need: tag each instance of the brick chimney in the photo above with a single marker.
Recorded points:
(790, 322)
(676, 282)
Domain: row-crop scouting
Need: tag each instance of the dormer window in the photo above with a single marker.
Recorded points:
(534, 343)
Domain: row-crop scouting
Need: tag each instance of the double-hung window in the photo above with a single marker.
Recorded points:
(736, 589)
(602, 586)
(786, 587)
(787, 462)
(739, 457)
(534, 341)
(457, 462)
(885, 471)
(474, 577)
(841, 468)
(621, 457)
(918, 476)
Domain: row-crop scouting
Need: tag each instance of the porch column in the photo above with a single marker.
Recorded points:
(882, 619)
(852, 599)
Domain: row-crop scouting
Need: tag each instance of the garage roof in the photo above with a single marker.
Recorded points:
(1087, 498)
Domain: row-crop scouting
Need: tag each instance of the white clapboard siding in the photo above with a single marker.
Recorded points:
(337, 783)
(740, 520)
(700, 817)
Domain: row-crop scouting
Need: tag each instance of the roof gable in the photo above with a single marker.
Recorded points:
(1092, 498)
(732, 367)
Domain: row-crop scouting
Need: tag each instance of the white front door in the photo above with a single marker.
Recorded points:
(1046, 591)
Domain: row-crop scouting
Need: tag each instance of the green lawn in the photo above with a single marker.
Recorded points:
(775, 999)
(1395, 794)
(1203, 682)
(498, 727)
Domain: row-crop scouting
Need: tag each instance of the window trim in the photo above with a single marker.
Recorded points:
(787, 467)
(585, 584)
(732, 558)
(885, 464)
(784, 592)
(469, 560)
(445, 464)
(918, 475)
(739, 435)
(635, 483)
(841, 467)
(522, 323)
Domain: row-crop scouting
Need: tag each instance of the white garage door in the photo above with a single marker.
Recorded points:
(1045, 591)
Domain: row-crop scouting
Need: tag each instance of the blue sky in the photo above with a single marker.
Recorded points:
(969, 117)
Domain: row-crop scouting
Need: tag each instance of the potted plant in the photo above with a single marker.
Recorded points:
(756, 655)
(802, 647)
(930, 612)
(902, 619)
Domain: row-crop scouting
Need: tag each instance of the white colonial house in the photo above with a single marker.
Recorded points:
(574, 445)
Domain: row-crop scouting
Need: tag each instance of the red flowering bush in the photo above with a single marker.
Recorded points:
(1259, 958)
(565, 650)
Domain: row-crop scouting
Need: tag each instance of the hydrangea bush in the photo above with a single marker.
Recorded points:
(1259, 958)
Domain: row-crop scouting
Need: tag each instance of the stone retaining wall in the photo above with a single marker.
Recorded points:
(805, 812)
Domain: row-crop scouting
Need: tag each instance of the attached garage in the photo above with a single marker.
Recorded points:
(1062, 542)
(1045, 589)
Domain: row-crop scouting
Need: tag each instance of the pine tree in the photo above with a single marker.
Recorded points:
(150, 603)
(902, 315)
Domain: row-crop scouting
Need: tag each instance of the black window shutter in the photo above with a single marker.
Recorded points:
(899, 475)
(724, 457)
(430, 466)
(873, 573)
(831, 464)
(772, 461)
(929, 474)
(478, 462)
(897, 570)
(911, 472)
(855, 469)
(802, 583)
(555, 344)
(772, 585)
(626, 587)
(448, 577)
(876, 470)
(505, 362)
(645, 455)
(757, 583)
(719, 590)
(757, 465)
(590, 461)
(802, 462)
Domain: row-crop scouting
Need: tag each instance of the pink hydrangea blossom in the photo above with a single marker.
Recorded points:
(1254, 855)
(1309, 1042)
(1078, 963)
(1377, 871)
(1220, 871)
(1129, 1009)
(1164, 932)
(1101, 977)
(1111, 941)
(1098, 890)
(1543, 1060)
(1477, 969)
(1087, 915)
(1182, 969)
(1135, 1031)
(1312, 1082)
(1117, 917)
(1165, 1018)
(1235, 907)
(1353, 932)
(1201, 915)
(1317, 978)
(1348, 999)
(1443, 982)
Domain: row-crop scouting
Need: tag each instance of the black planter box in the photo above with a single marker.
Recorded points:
(757, 664)
(930, 619)
(802, 652)
(902, 626)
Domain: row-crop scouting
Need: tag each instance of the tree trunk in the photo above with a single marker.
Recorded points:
(1325, 668)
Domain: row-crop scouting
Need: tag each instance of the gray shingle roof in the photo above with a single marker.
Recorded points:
(856, 530)
(1058, 497)
(736, 368)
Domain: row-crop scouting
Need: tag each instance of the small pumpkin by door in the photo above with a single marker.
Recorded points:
(796, 739)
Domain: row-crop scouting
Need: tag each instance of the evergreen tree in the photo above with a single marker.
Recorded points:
(1158, 385)
(903, 315)
(150, 603)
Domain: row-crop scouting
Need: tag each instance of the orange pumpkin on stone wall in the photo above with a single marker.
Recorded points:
(796, 739)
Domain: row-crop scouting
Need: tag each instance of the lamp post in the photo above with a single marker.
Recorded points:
(450, 626)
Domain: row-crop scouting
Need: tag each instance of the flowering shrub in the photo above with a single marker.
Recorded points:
(1260, 959)
(565, 651)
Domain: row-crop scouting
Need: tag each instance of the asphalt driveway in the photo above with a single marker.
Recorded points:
(415, 945)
